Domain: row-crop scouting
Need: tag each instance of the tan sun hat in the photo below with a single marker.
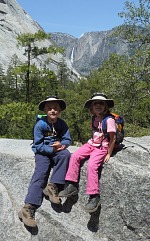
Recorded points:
(52, 99)
(99, 96)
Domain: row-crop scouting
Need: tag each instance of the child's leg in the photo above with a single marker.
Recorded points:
(73, 171)
(60, 167)
(39, 180)
(74, 164)
(96, 159)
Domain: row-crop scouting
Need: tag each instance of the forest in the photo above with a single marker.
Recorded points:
(122, 78)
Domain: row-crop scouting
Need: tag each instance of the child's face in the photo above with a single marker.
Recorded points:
(98, 107)
(52, 109)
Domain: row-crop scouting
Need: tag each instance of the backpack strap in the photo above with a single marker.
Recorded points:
(104, 125)
(93, 127)
(43, 120)
(44, 124)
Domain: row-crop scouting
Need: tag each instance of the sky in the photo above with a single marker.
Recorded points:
(75, 17)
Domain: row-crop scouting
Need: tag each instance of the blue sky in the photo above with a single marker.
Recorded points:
(75, 17)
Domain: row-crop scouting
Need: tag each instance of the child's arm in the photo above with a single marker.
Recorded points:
(112, 136)
(65, 134)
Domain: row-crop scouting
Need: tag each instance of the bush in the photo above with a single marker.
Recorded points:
(17, 120)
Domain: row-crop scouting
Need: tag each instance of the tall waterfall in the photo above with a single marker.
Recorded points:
(72, 53)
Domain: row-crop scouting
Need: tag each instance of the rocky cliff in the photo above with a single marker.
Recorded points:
(13, 21)
(124, 214)
(82, 54)
(90, 50)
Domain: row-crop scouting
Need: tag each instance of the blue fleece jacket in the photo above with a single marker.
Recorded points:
(45, 134)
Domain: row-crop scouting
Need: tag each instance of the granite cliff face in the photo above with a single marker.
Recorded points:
(90, 50)
(124, 214)
(82, 54)
(13, 21)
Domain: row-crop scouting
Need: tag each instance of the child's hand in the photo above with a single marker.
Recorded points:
(57, 146)
(107, 158)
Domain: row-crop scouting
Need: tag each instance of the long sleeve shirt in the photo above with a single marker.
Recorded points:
(45, 134)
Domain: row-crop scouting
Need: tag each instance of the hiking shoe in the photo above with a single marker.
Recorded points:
(51, 191)
(69, 190)
(93, 203)
(27, 215)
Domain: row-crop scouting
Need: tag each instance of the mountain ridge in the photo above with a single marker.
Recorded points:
(89, 51)
(82, 55)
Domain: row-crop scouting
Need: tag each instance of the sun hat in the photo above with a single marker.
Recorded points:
(99, 96)
(52, 99)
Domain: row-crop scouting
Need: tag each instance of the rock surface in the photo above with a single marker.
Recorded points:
(124, 214)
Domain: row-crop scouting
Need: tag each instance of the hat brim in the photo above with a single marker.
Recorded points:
(109, 102)
(61, 103)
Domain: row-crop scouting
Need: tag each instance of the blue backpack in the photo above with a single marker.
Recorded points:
(43, 118)
(44, 124)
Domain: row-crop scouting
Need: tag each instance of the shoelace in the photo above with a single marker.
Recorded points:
(54, 188)
(92, 199)
(31, 212)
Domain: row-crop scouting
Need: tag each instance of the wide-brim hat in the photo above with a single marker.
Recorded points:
(99, 96)
(61, 102)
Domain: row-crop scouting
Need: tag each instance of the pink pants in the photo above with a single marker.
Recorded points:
(96, 158)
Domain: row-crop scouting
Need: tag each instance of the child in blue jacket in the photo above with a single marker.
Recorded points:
(51, 138)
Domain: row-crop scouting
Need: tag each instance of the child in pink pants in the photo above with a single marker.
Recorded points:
(98, 149)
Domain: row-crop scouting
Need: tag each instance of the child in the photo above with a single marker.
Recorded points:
(98, 149)
(51, 138)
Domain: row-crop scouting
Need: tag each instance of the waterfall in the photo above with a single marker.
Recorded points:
(72, 53)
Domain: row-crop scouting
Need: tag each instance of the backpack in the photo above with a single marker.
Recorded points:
(44, 124)
(43, 118)
(119, 127)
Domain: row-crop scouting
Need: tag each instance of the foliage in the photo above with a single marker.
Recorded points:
(121, 78)
(17, 120)
(136, 25)
(77, 118)
(32, 51)
(2, 85)
(132, 130)
(63, 74)
(29, 41)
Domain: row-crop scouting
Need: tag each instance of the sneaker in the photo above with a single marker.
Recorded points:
(93, 203)
(69, 190)
(51, 191)
(27, 215)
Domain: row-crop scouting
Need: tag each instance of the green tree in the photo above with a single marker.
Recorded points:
(136, 23)
(63, 74)
(137, 85)
(2, 85)
(33, 52)
(17, 120)
(12, 81)
(75, 115)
